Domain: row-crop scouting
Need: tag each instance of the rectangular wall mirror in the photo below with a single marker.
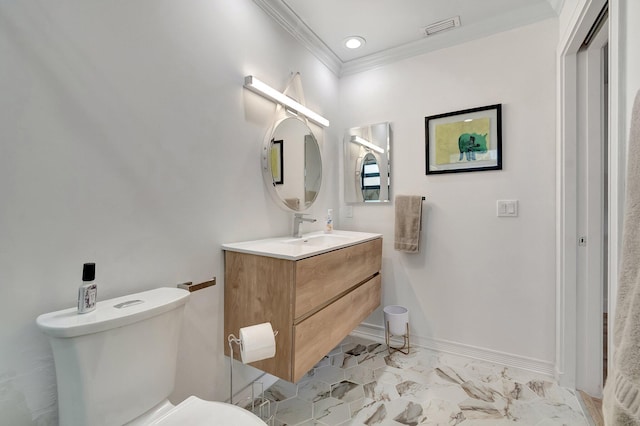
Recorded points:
(367, 162)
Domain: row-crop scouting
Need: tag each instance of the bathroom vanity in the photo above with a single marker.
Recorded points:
(314, 290)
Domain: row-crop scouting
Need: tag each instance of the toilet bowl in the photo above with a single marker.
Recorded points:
(194, 411)
(116, 365)
(197, 412)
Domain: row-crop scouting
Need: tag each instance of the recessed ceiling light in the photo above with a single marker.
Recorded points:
(354, 42)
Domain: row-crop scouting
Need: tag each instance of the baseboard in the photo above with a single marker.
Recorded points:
(376, 333)
(565, 380)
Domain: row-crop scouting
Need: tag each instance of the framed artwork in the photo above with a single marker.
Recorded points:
(464, 141)
(277, 162)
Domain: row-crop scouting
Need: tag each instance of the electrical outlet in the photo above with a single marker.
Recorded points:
(348, 211)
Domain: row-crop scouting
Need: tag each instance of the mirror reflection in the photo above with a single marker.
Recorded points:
(367, 164)
(292, 164)
(370, 178)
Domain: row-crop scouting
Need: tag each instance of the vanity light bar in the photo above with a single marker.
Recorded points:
(364, 142)
(257, 86)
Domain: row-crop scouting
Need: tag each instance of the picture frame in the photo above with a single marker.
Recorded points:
(469, 140)
(277, 162)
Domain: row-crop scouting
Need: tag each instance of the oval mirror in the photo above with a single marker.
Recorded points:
(370, 178)
(292, 165)
(367, 164)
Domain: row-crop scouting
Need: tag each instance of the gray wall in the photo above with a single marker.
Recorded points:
(481, 284)
(126, 138)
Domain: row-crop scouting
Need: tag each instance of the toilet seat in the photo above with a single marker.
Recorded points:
(194, 411)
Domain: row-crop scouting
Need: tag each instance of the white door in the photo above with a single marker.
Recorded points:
(592, 209)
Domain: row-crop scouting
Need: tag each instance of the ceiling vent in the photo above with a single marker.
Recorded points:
(440, 26)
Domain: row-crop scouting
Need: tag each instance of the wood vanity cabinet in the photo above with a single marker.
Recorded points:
(313, 303)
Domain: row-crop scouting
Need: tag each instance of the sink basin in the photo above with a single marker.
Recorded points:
(299, 248)
(319, 240)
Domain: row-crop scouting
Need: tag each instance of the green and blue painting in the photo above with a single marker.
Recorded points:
(463, 141)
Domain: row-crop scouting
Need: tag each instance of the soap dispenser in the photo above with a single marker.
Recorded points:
(329, 226)
(88, 291)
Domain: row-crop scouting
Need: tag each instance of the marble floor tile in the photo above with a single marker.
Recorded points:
(359, 383)
(280, 391)
(313, 390)
(293, 411)
(347, 391)
(359, 374)
(331, 411)
(329, 374)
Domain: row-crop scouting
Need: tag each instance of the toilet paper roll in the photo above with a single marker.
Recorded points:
(257, 343)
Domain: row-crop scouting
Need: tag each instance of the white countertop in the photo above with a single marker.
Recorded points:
(308, 245)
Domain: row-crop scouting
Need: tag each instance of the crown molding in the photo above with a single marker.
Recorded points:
(283, 15)
(455, 36)
(291, 22)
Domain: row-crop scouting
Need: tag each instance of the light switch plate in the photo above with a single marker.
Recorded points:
(507, 208)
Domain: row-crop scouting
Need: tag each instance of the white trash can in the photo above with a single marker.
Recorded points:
(396, 323)
(396, 318)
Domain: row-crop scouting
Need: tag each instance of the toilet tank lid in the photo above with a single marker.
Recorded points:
(112, 313)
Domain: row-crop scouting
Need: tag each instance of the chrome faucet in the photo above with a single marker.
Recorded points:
(297, 221)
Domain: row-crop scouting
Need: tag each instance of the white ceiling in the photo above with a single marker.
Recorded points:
(393, 28)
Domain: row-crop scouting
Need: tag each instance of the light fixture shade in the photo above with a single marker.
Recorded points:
(364, 142)
(263, 89)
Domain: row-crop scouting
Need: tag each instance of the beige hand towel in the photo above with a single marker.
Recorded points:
(408, 223)
(621, 404)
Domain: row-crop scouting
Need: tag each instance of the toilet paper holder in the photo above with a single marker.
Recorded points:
(264, 404)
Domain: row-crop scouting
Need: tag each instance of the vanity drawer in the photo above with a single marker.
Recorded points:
(317, 335)
(319, 279)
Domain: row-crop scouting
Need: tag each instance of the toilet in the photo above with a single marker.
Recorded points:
(116, 365)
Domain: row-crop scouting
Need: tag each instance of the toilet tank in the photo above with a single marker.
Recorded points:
(118, 361)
